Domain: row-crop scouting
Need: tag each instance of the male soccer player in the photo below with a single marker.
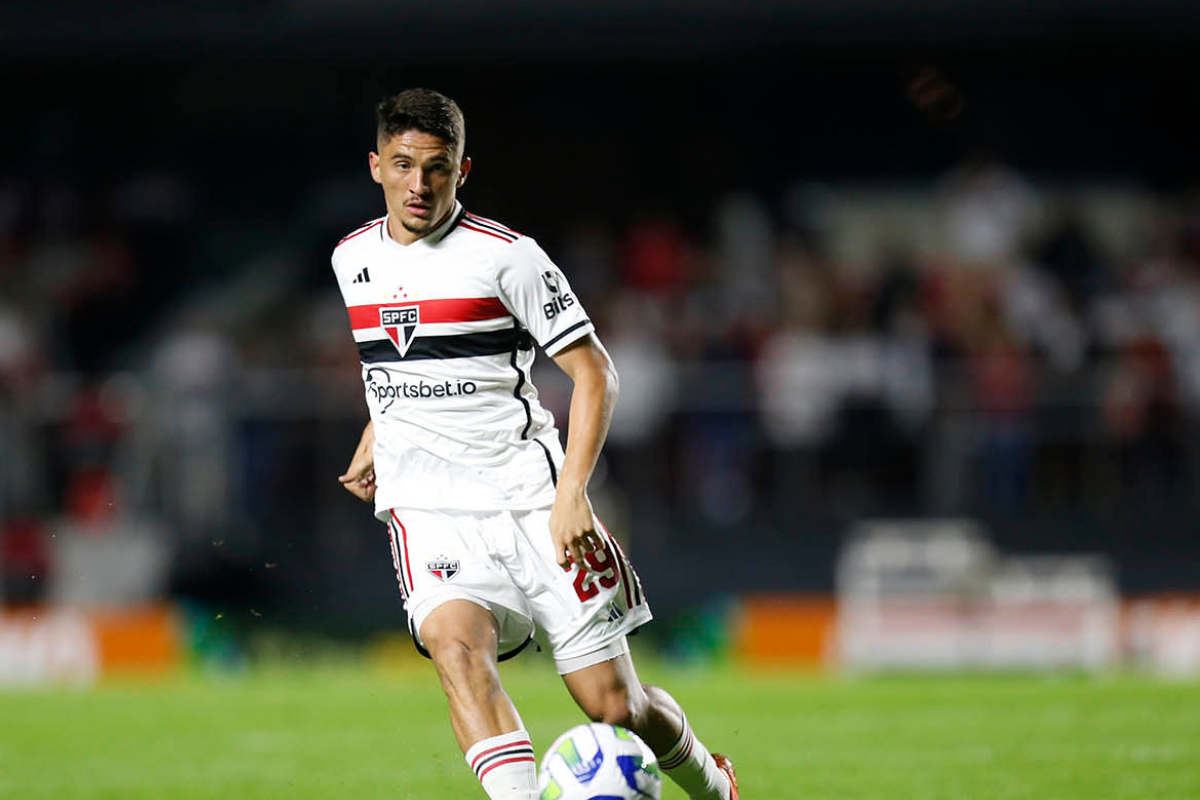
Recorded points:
(492, 533)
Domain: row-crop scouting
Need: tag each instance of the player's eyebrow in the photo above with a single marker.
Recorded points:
(435, 159)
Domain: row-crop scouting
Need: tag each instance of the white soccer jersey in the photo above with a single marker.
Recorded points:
(445, 328)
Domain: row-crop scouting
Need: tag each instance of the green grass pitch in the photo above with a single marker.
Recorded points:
(354, 732)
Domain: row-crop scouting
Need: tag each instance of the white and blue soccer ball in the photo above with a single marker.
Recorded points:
(599, 762)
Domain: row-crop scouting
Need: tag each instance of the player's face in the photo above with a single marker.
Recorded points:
(420, 174)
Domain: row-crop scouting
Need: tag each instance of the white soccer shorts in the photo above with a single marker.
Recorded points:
(504, 561)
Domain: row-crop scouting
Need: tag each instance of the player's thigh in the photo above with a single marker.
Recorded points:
(442, 557)
(581, 613)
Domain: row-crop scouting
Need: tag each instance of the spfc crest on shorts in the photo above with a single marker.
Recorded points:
(442, 568)
(400, 324)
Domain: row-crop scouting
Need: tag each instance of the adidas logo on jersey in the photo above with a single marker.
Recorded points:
(363, 277)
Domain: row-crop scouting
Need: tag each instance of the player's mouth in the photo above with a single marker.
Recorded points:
(421, 210)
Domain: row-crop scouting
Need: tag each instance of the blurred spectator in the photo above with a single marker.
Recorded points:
(1140, 409)
(1002, 388)
(1069, 255)
(744, 258)
(649, 377)
(991, 211)
(19, 358)
(193, 371)
(655, 257)
(1040, 315)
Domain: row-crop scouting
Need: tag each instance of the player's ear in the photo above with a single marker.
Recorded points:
(373, 162)
(463, 169)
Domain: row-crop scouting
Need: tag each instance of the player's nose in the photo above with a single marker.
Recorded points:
(418, 183)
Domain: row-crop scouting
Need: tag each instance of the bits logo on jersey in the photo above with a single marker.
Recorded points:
(400, 325)
(442, 568)
(559, 301)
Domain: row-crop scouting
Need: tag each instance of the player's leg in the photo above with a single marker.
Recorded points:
(585, 617)
(610, 691)
(461, 638)
(457, 608)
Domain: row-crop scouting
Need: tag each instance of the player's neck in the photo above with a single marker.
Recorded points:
(404, 237)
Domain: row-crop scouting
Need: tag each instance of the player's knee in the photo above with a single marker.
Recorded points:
(452, 654)
(620, 707)
(461, 663)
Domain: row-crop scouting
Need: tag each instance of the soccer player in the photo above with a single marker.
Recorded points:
(493, 535)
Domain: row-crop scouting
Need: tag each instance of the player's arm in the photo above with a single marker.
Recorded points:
(592, 402)
(359, 478)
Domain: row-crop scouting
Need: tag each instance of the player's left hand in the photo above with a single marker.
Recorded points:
(573, 528)
(359, 477)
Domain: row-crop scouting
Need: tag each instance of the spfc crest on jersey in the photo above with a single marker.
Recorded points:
(400, 325)
(442, 568)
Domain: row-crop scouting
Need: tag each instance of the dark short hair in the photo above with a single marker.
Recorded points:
(422, 110)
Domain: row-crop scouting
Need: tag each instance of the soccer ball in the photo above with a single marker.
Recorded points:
(599, 762)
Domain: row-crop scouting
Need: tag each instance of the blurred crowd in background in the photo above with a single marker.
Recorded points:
(179, 387)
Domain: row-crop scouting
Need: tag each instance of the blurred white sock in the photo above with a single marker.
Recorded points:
(691, 766)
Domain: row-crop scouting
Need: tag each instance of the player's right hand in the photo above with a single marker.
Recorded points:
(359, 478)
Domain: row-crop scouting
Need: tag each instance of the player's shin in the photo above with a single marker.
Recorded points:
(505, 766)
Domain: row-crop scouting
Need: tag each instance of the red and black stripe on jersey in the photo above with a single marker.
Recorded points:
(460, 345)
(486, 226)
(361, 230)
(451, 309)
(447, 310)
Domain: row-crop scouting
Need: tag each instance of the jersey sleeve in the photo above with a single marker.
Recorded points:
(335, 265)
(539, 296)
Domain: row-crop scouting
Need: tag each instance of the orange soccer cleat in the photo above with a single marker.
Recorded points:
(726, 765)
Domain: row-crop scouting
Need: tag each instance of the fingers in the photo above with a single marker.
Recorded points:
(361, 466)
(577, 549)
(577, 555)
(363, 473)
(366, 494)
(361, 486)
(571, 554)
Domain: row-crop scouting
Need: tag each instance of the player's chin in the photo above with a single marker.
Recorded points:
(417, 223)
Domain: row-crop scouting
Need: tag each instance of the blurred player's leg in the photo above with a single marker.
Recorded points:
(611, 692)
(726, 765)
(461, 638)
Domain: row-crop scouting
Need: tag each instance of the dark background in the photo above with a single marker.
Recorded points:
(198, 164)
